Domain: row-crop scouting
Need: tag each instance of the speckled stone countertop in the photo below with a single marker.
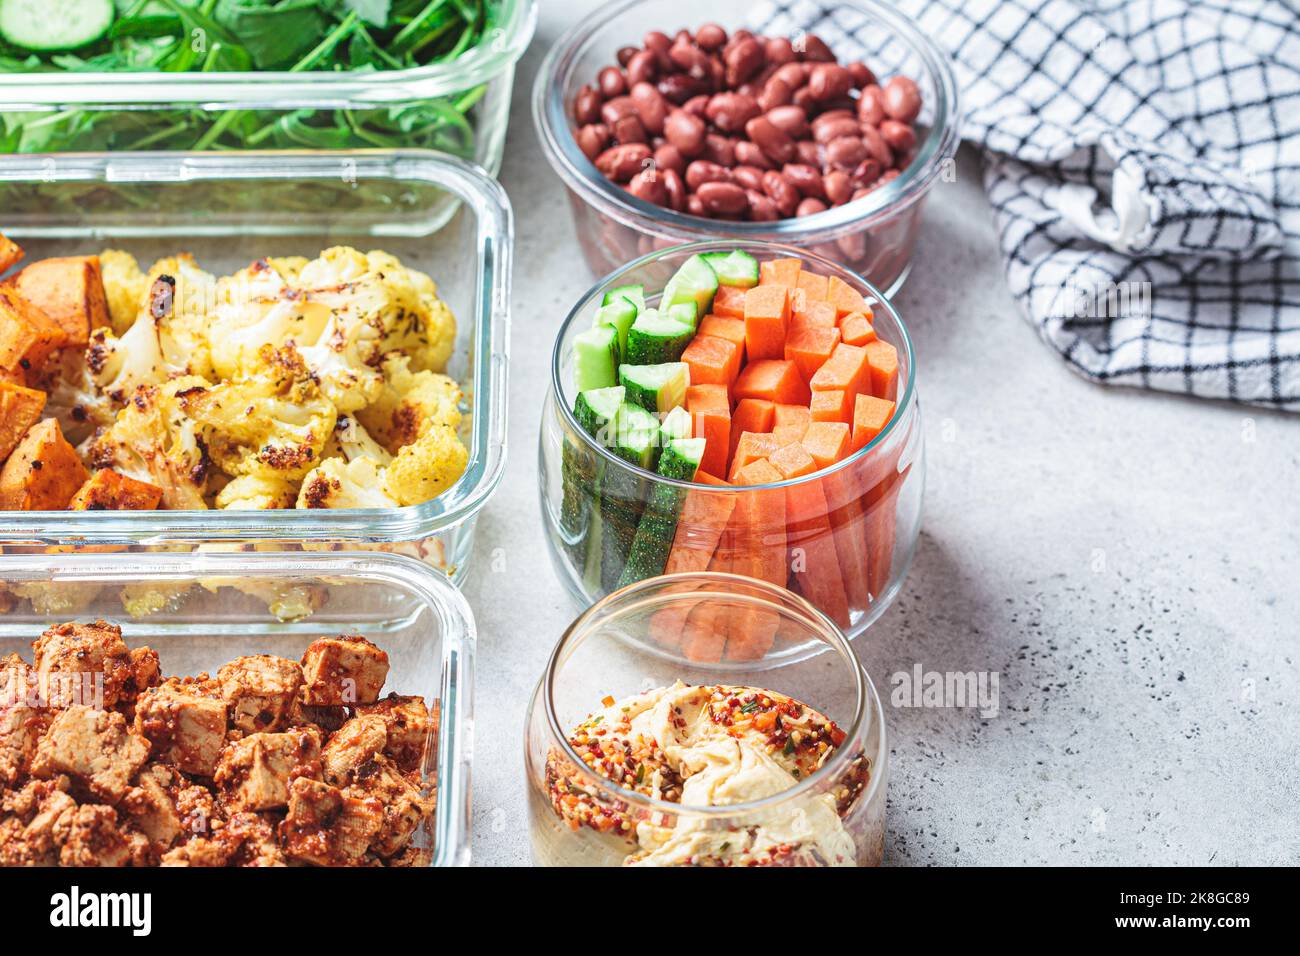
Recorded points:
(1127, 563)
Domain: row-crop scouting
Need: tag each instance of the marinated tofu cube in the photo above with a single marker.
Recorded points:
(352, 745)
(70, 290)
(254, 773)
(185, 720)
(327, 826)
(94, 838)
(36, 823)
(95, 747)
(343, 670)
(408, 724)
(251, 840)
(21, 723)
(74, 661)
(261, 691)
(109, 491)
(200, 851)
(327, 718)
(43, 472)
(405, 805)
(150, 806)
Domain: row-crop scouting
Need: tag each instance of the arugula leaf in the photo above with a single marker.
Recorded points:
(374, 12)
(273, 35)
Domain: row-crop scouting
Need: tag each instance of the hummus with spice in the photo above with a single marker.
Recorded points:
(710, 746)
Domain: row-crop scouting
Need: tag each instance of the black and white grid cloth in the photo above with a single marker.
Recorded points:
(1143, 163)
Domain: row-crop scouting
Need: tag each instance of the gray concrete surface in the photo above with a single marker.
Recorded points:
(1127, 563)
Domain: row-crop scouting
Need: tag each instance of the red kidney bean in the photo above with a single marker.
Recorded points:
(793, 75)
(629, 130)
(877, 147)
(621, 163)
(612, 82)
(829, 81)
(702, 171)
(782, 192)
(900, 136)
(683, 36)
(611, 111)
(698, 105)
(791, 120)
(719, 149)
(838, 187)
(723, 198)
(776, 92)
(902, 99)
(730, 112)
(808, 153)
(861, 73)
(810, 207)
(871, 105)
(815, 49)
(780, 50)
(804, 99)
(592, 139)
(775, 144)
(680, 87)
(642, 68)
(823, 132)
(625, 54)
(690, 58)
(674, 189)
(806, 179)
(866, 172)
(889, 175)
(669, 159)
(695, 205)
(649, 185)
(748, 154)
(743, 60)
(651, 107)
(586, 106)
(762, 208)
(659, 44)
(686, 131)
(751, 177)
(710, 37)
(845, 152)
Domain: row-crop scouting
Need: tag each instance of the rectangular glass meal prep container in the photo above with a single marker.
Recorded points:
(482, 76)
(230, 209)
(416, 616)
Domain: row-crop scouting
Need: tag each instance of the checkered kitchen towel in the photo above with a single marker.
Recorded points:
(1143, 162)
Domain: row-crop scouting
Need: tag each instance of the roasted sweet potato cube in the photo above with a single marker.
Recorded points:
(27, 335)
(43, 472)
(69, 290)
(20, 409)
(343, 670)
(10, 252)
(107, 490)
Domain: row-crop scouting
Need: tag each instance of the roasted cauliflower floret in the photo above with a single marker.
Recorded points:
(346, 484)
(120, 365)
(274, 423)
(410, 404)
(351, 441)
(258, 493)
(338, 360)
(427, 467)
(124, 286)
(154, 439)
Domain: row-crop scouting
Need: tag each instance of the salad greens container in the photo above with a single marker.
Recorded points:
(231, 209)
(82, 75)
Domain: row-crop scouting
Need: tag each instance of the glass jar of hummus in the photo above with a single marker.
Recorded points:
(639, 756)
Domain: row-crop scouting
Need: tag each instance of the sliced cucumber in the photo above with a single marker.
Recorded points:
(676, 424)
(633, 293)
(48, 25)
(655, 338)
(637, 440)
(736, 268)
(595, 358)
(656, 388)
(597, 409)
(648, 554)
(694, 282)
(619, 314)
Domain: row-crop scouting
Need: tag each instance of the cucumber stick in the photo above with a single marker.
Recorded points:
(736, 268)
(633, 293)
(695, 282)
(656, 388)
(619, 314)
(654, 535)
(676, 424)
(656, 338)
(48, 25)
(595, 358)
(580, 470)
(597, 409)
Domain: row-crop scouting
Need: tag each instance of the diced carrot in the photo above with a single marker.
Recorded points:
(724, 327)
(730, 300)
(767, 313)
(847, 370)
(814, 561)
(819, 314)
(870, 416)
(710, 408)
(844, 297)
(751, 415)
(813, 285)
(792, 461)
(751, 447)
(711, 360)
(790, 415)
(780, 272)
(831, 405)
(791, 434)
(809, 347)
(827, 442)
(883, 358)
(775, 380)
(856, 329)
(759, 552)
